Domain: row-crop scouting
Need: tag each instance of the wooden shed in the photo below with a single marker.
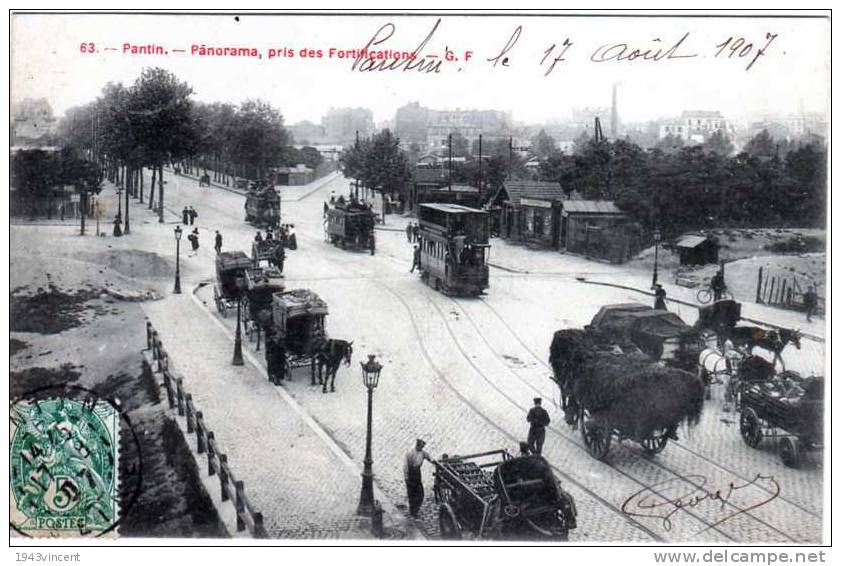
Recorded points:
(697, 250)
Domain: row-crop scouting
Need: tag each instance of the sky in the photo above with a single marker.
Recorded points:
(69, 58)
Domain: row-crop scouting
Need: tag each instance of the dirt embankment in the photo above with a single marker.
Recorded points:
(78, 323)
(791, 253)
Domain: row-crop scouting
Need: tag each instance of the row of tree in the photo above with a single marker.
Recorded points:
(699, 186)
(378, 163)
(155, 122)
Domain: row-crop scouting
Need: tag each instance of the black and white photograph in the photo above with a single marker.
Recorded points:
(421, 278)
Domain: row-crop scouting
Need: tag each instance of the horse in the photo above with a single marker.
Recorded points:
(329, 353)
(564, 354)
(749, 337)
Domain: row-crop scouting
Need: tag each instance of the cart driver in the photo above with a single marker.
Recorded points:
(538, 420)
(412, 474)
(258, 237)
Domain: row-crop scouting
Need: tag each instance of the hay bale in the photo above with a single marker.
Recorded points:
(637, 396)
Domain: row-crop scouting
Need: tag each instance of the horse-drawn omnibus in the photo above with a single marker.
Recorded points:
(454, 248)
(350, 225)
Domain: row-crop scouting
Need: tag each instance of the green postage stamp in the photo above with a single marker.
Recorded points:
(64, 463)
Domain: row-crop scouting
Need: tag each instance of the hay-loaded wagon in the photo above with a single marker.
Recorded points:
(262, 206)
(660, 334)
(230, 279)
(350, 225)
(297, 327)
(495, 495)
(272, 252)
(611, 392)
(787, 408)
(260, 285)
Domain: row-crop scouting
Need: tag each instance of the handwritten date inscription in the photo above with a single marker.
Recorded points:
(553, 54)
(662, 500)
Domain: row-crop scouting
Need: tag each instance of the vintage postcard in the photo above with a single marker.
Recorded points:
(415, 277)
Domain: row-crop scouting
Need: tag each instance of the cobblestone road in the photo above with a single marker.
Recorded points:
(461, 373)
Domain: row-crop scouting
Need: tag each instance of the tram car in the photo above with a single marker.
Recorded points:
(454, 246)
(262, 206)
(351, 225)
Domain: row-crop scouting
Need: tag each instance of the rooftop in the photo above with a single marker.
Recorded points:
(692, 241)
(547, 190)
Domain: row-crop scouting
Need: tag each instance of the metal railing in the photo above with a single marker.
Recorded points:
(217, 461)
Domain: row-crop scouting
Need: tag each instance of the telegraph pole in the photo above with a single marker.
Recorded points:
(480, 166)
(450, 162)
(510, 155)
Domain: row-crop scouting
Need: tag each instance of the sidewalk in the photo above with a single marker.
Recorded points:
(293, 473)
(524, 260)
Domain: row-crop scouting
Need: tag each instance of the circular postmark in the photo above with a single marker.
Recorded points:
(64, 463)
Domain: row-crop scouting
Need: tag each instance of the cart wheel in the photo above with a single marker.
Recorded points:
(655, 444)
(447, 524)
(750, 428)
(704, 296)
(596, 437)
(789, 452)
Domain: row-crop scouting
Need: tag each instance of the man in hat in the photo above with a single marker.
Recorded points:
(810, 302)
(538, 420)
(218, 245)
(416, 258)
(660, 298)
(412, 475)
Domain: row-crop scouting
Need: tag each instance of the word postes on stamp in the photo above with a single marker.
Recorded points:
(64, 463)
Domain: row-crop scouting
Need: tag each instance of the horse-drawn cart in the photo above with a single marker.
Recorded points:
(788, 408)
(296, 329)
(270, 251)
(230, 279)
(660, 334)
(623, 394)
(260, 285)
(495, 495)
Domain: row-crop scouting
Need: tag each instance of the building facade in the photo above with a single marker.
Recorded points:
(696, 126)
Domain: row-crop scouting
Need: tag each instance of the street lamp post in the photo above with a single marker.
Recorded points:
(656, 250)
(237, 361)
(370, 377)
(119, 204)
(178, 232)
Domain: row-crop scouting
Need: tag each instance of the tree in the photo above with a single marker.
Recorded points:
(670, 144)
(311, 157)
(761, 145)
(34, 175)
(461, 146)
(161, 118)
(384, 164)
(544, 146)
(718, 143)
(257, 137)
